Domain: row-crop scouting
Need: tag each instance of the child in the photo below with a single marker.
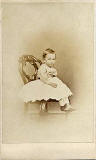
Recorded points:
(47, 86)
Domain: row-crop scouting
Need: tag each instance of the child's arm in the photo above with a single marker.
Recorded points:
(42, 74)
(45, 80)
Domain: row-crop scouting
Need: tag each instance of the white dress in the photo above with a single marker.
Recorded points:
(38, 90)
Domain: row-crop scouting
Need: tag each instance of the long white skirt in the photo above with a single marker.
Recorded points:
(37, 90)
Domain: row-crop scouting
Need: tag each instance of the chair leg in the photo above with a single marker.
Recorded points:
(43, 106)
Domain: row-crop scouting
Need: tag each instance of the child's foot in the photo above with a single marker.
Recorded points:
(68, 107)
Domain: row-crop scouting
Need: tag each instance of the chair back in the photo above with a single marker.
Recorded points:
(22, 64)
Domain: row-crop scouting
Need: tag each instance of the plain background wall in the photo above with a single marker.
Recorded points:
(68, 29)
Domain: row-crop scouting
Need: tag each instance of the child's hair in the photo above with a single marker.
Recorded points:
(48, 51)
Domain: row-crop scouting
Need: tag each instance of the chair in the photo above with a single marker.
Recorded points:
(27, 78)
(22, 63)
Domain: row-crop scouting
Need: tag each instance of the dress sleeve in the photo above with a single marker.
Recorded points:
(42, 71)
(54, 72)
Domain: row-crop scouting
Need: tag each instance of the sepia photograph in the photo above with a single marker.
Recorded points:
(48, 79)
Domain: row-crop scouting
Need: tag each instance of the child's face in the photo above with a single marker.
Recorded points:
(50, 59)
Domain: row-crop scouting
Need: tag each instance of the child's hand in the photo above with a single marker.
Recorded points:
(50, 74)
(53, 85)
